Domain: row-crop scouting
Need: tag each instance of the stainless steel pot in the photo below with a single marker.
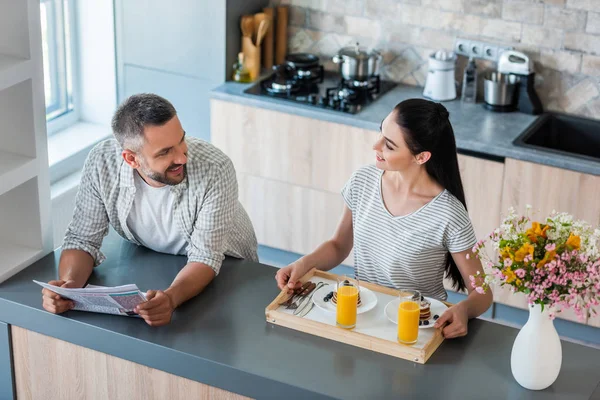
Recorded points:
(499, 89)
(357, 63)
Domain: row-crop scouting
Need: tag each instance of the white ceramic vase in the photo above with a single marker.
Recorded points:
(537, 353)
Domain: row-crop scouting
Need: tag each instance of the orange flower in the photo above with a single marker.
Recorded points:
(536, 230)
(574, 242)
(549, 256)
(526, 249)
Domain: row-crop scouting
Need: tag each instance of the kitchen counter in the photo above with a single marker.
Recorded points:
(476, 129)
(221, 338)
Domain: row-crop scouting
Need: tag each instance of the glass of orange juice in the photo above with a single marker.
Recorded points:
(347, 303)
(408, 316)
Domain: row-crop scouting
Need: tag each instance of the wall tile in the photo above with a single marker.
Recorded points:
(488, 8)
(590, 5)
(345, 7)
(450, 5)
(564, 19)
(579, 95)
(590, 65)
(326, 22)
(497, 28)
(593, 23)
(523, 11)
(582, 42)
(561, 60)
(297, 16)
(363, 27)
(545, 37)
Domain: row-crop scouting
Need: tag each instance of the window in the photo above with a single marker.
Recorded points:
(58, 62)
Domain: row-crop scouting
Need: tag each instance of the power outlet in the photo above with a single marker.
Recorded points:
(477, 49)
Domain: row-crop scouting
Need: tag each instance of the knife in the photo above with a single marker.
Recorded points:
(307, 304)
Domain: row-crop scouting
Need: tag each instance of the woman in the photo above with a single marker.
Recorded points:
(406, 216)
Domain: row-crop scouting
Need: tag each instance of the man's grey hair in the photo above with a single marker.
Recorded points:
(135, 113)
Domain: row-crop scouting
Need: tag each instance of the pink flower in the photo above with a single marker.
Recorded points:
(507, 262)
(520, 273)
(550, 247)
(479, 290)
(468, 256)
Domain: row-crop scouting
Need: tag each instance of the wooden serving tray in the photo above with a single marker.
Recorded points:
(373, 330)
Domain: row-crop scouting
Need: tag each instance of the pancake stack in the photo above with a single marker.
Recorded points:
(334, 299)
(425, 311)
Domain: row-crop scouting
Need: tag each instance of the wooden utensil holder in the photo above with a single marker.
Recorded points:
(251, 57)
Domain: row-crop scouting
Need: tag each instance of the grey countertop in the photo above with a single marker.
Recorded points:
(221, 338)
(476, 129)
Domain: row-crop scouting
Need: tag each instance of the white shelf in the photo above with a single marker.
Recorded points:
(14, 258)
(15, 170)
(13, 70)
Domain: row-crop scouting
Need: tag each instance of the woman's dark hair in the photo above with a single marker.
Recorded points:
(426, 127)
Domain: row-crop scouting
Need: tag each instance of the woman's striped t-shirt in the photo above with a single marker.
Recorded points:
(404, 252)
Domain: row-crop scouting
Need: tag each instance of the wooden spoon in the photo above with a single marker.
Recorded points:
(258, 18)
(247, 25)
(262, 31)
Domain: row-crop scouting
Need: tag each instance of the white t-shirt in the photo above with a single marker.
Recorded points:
(151, 219)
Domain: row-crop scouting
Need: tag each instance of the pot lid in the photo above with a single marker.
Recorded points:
(358, 52)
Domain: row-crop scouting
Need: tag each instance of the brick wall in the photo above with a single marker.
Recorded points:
(562, 36)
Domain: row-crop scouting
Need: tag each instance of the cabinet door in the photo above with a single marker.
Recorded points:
(288, 148)
(482, 183)
(547, 189)
(290, 217)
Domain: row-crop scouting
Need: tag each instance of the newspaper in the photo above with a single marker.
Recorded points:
(118, 300)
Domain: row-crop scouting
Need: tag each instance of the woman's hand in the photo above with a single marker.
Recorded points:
(290, 276)
(454, 321)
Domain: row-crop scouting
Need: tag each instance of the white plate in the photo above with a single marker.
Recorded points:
(437, 308)
(367, 298)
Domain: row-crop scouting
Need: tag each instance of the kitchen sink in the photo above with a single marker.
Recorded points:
(563, 134)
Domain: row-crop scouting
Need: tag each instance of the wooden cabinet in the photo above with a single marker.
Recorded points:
(48, 368)
(547, 189)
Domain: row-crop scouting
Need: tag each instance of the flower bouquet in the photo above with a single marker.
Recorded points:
(556, 264)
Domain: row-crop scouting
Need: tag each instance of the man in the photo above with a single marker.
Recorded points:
(162, 190)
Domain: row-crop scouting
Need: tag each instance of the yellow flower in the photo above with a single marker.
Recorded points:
(574, 242)
(505, 253)
(509, 274)
(536, 230)
(518, 282)
(527, 248)
(549, 256)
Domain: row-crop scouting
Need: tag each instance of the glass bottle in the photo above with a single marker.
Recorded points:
(240, 72)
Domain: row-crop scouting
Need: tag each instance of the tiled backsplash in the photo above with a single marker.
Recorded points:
(562, 37)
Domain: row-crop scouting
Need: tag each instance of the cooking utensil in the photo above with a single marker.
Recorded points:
(247, 25)
(307, 304)
(499, 91)
(262, 31)
(357, 63)
(258, 18)
(302, 295)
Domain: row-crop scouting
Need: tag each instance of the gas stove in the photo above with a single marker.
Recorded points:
(302, 80)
